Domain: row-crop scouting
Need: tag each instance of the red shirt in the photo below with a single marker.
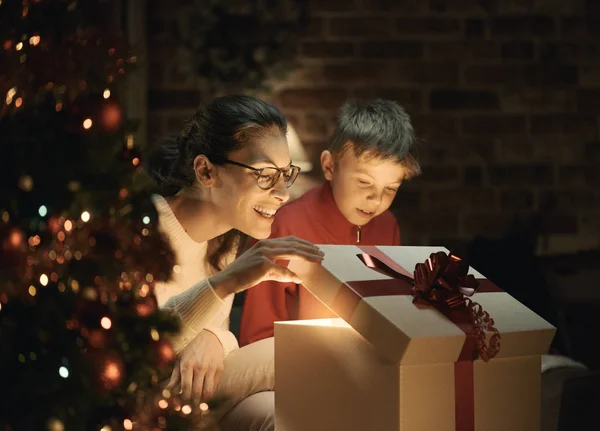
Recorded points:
(314, 217)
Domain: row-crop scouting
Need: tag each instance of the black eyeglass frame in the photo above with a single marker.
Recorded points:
(260, 171)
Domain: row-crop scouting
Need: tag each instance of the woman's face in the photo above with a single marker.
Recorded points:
(242, 204)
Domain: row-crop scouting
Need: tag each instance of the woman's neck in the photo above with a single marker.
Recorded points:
(198, 217)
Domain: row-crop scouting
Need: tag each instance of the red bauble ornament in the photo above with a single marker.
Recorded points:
(164, 352)
(110, 116)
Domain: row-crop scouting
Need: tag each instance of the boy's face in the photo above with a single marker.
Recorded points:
(363, 187)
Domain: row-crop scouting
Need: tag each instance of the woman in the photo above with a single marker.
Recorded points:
(224, 178)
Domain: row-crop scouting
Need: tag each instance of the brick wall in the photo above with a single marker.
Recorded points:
(504, 94)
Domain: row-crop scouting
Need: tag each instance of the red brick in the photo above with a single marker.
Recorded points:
(570, 200)
(449, 149)
(304, 98)
(324, 49)
(491, 74)
(520, 26)
(462, 5)
(427, 73)
(549, 75)
(561, 224)
(568, 124)
(473, 176)
(431, 126)
(537, 100)
(452, 199)
(522, 175)
(173, 99)
(411, 100)
(315, 28)
(487, 224)
(391, 49)
(516, 200)
(569, 51)
(475, 28)
(563, 149)
(572, 176)
(439, 174)
(404, 6)
(511, 150)
(589, 75)
(588, 101)
(427, 26)
(494, 125)
(518, 50)
(463, 99)
(332, 5)
(360, 27)
(592, 151)
(580, 27)
(472, 49)
(360, 71)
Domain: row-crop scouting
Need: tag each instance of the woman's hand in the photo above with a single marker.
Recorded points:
(258, 264)
(199, 367)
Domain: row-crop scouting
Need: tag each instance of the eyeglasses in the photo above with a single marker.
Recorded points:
(268, 177)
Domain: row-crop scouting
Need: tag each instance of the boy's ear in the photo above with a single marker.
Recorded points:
(205, 171)
(327, 164)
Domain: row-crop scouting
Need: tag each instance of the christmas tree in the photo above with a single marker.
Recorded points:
(83, 345)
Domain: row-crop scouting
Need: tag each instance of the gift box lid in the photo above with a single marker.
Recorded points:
(402, 331)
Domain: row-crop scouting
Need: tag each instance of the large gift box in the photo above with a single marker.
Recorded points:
(423, 343)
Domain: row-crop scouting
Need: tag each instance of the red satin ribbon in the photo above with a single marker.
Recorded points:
(350, 295)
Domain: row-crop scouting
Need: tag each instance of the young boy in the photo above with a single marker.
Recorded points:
(369, 157)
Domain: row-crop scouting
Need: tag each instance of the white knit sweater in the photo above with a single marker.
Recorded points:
(189, 293)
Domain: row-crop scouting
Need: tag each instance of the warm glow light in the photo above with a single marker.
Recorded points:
(106, 93)
(34, 40)
(87, 123)
(105, 323)
(32, 290)
(18, 102)
(135, 161)
(85, 216)
(42, 211)
(19, 46)
(154, 334)
(68, 225)
(163, 404)
(186, 410)
(106, 428)
(127, 424)
(43, 279)
(146, 220)
(112, 372)
(203, 407)
(176, 269)
(63, 372)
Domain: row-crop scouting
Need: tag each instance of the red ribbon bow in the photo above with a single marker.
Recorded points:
(443, 281)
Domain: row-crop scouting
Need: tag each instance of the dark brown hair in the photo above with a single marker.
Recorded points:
(216, 129)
